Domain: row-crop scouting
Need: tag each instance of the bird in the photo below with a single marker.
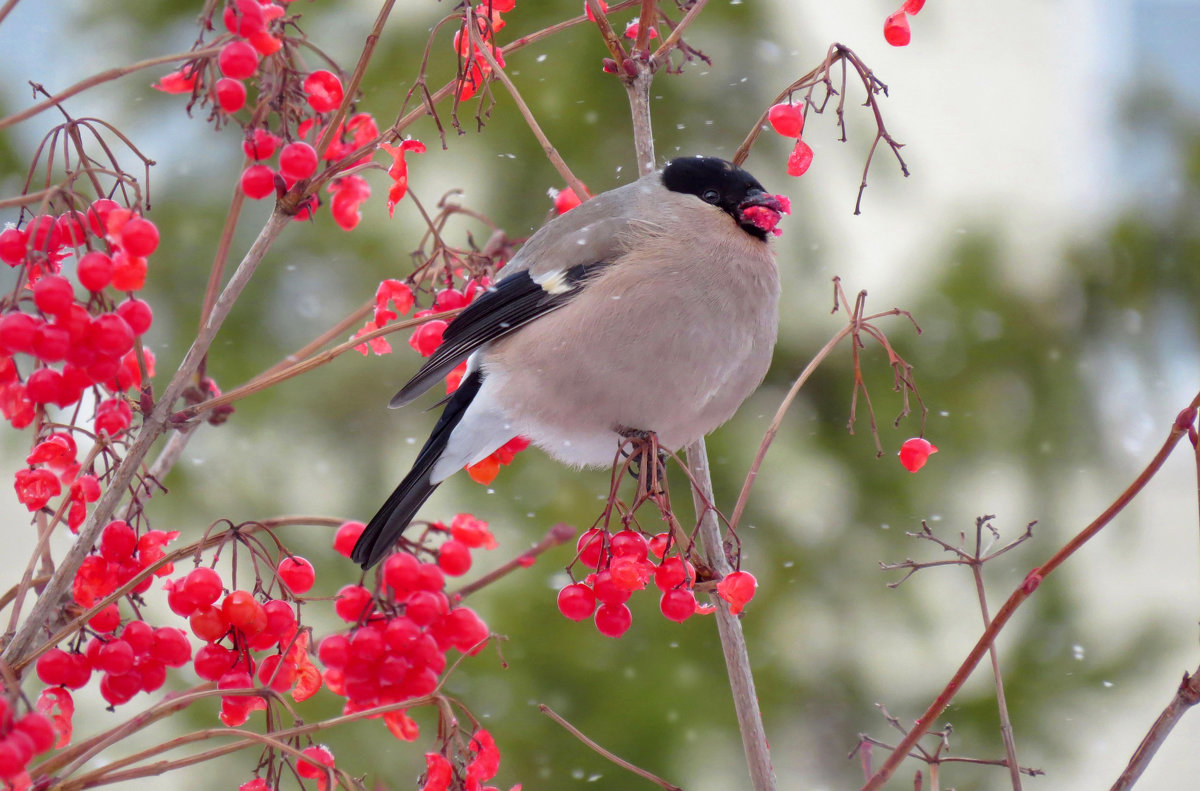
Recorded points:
(650, 308)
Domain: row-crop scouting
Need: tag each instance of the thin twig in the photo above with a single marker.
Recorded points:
(1185, 697)
(103, 77)
(616, 759)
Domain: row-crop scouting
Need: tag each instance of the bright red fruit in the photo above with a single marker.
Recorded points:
(53, 294)
(912, 7)
(203, 586)
(565, 200)
(297, 161)
(915, 452)
(110, 335)
(137, 314)
(347, 536)
(787, 119)
(800, 159)
(323, 90)
(590, 547)
(94, 270)
(245, 18)
(352, 603)
(12, 246)
(113, 415)
(896, 31)
(209, 623)
(260, 144)
(612, 620)
(587, 9)
(737, 588)
(117, 542)
(576, 601)
(319, 757)
(426, 338)
(297, 573)
(44, 386)
(231, 94)
(454, 557)
(244, 612)
(238, 60)
(17, 331)
(258, 181)
(139, 237)
(678, 604)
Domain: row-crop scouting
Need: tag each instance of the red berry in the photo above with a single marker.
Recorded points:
(115, 657)
(590, 547)
(800, 159)
(139, 237)
(213, 661)
(12, 757)
(44, 386)
(258, 181)
(323, 90)
(672, 573)
(140, 636)
(334, 651)
(454, 557)
(112, 415)
(629, 543)
(44, 234)
(587, 9)
(565, 200)
(53, 294)
(576, 601)
(71, 228)
(137, 314)
(94, 270)
(244, 612)
(608, 591)
(13, 245)
(343, 540)
(466, 630)
(170, 647)
(107, 619)
(260, 144)
(297, 573)
(110, 335)
(244, 18)
(913, 453)
(319, 756)
(612, 620)
(231, 94)
(297, 161)
(53, 667)
(237, 60)
(400, 573)
(425, 607)
(209, 623)
(787, 119)
(281, 619)
(352, 603)
(276, 673)
(678, 604)
(151, 673)
(912, 7)
(426, 338)
(97, 215)
(737, 588)
(17, 332)
(120, 689)
(39, 729)
(129, 272)
(117, 542)
(896, 31)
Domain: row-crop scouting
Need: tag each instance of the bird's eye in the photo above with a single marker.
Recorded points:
(710, 196)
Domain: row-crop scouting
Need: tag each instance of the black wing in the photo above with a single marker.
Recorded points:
(510, 304)
(395, 514)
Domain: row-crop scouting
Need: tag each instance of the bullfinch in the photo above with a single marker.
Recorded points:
(649, 308)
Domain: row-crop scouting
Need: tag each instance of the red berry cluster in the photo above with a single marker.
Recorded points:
(136, 661)
(475, 68)
(120, 556)
(895, 28)
(21, 738)
(623, 565)
(53, 465)
(787, 119)
(399, 637)
(243, 636)
(480, 763)
(71, 344)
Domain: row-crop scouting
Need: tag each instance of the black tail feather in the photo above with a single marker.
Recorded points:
(395, 514)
